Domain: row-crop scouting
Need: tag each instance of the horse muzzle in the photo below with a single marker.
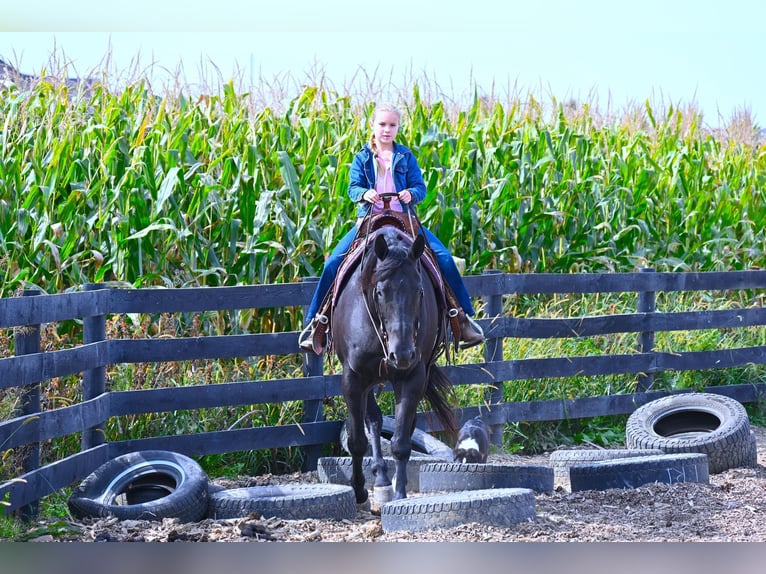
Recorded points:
(402, 357)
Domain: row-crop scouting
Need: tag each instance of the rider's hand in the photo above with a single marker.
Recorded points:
(405, 196)
(371, 196)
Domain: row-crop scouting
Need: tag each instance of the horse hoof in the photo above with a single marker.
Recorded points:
(383, 494)
(364, 506)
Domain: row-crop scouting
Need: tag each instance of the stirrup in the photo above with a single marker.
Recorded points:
(306, 337)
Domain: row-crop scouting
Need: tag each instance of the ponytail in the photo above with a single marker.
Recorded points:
(374, 148)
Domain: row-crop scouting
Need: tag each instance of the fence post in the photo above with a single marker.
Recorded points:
(313, 411)
(27, 341)
(93, 380)
(646, 304)
(493, 351)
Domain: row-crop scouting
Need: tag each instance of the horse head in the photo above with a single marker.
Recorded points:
(393, 283)
(387, 329)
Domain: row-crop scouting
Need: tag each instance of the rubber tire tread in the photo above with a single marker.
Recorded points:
(385, 444)
(455, 476)
(502, 507)
(563, 458)
(634, 472)
(421, 441)
(291, 502)
(97, 494)
(337, 470)
(727, 446)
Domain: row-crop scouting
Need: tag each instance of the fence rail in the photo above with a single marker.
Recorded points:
(30, 366)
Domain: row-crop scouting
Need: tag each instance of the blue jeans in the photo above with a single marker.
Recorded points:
(443, 258)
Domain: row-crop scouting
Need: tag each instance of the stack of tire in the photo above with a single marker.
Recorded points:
(158, 484)
(451, 493)
(455, 493)
(425, 449)
(676, 438)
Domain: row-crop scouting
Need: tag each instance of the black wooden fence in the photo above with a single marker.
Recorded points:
(30, 366)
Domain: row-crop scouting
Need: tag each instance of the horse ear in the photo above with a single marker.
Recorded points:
(381, 247)
(418, 247)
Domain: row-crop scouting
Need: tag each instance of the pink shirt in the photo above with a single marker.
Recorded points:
(384, 183)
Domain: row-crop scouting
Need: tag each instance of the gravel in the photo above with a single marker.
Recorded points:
(732, 507)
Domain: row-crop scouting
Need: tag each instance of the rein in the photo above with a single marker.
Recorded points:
(380, 332)
(366, 227)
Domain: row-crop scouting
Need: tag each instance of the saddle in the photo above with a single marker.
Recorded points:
(407, 228)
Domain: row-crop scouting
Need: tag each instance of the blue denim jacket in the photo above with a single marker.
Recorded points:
(407, 175)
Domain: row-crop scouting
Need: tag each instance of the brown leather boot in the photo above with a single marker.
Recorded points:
(313, 338)
(471, 334)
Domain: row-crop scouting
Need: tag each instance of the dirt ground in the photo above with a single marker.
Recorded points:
(731, 508)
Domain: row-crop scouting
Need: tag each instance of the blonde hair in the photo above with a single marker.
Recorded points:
(382, 107)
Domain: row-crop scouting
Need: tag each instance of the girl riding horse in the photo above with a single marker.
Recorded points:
(383, 167)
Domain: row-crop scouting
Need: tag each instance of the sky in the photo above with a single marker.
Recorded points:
(611, 54)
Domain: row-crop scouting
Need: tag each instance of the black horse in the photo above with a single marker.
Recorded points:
(387, 327)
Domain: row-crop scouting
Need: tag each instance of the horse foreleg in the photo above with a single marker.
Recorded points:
(401, 443)
(382, 487)
(357, 438)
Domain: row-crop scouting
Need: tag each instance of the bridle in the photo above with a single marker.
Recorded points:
(373, 311)
(366, 227)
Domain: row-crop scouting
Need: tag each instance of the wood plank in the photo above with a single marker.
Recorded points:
(209, 347)
(521, 369)
(715, 359)
(549, 283)
(223, 394)
(28, 369)
(238, 440)
(44, 308)
(197, 299)
(585, 407)
(55, 423)
(32, 486)
(520, 327)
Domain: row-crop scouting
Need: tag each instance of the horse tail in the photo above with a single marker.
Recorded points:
(439, 393)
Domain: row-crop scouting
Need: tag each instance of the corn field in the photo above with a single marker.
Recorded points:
(147, 190)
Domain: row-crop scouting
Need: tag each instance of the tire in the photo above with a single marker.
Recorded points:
(494, 507)
(385, 444)
(564, 458)
(454, 476)
(143, 485)
(291, 502)
(337, 470)
(633, 472)
(706, 423)
(212, 488)
(421, 441)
